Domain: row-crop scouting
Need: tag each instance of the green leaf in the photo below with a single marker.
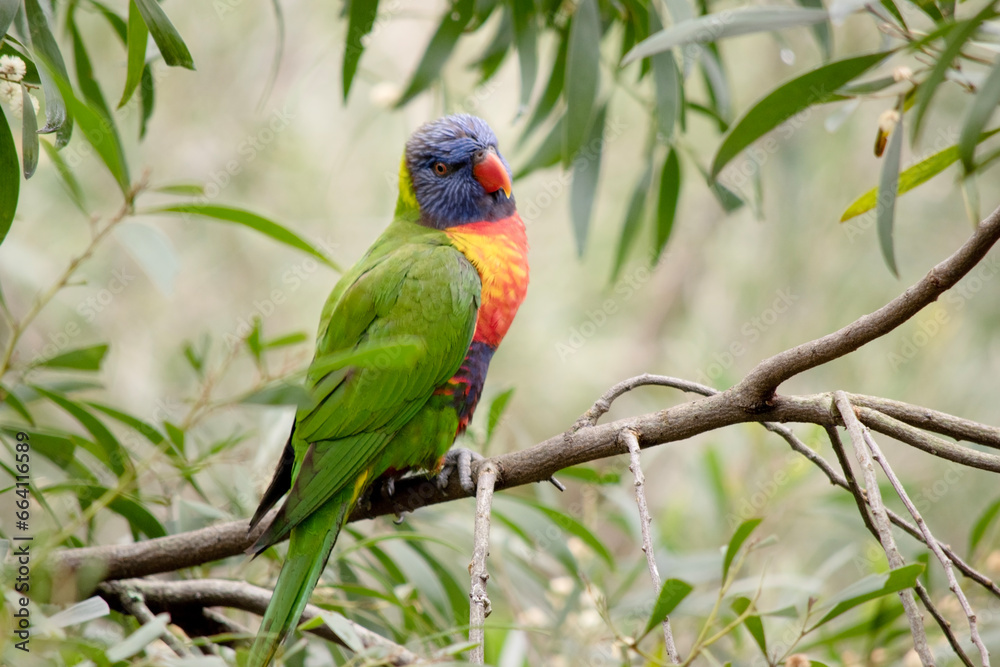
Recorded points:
(870, 588)
(553, 89)
(138, 35)
(886, 200)
(590, 476)
(739, 537)
(753, 623)
(438, 51)
(817, 86)
(982, 108)
(10, 177)
(547, 153)
(526, 38)
(279, 393)
(573, 527)
(285, 341)
(493, 55)
(361, 18)
(29, 134)
(671, 595)
(586, 168)
(253, 340)
(187, 189)
(583, 70)
(55, 446)
(713, 27)
(80, 359)
(175, 53)
(668, 85)
(497, 408)
(147, 91)
(982, 523)
(112, 454)
(666, 205)
(633, 221)
(47, 50)
(8, 9)
(16, 404)
(253, 221)
(912, 177)
(96, 130)
(956, 38)
(66, 174)
(140, 519)
(136, 424)
(398, 352)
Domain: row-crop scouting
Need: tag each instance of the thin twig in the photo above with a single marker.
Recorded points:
(943, 624)
(133, 602)
(204, 593)
(934, 546)
(479, 607)
(603, 404)
(881, 520)
(934, 421)
(628, 437)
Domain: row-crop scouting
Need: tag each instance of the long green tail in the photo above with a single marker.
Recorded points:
(309, 548)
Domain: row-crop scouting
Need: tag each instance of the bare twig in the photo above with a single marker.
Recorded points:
(754, 392)
(881, 520)
(603, 404)
(203, 593)
(134, 604)
(479, 608)
(628, 437)
(931, 420)
(934, 546)
(943, 624)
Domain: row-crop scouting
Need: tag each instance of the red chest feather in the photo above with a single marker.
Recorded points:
(499, 251)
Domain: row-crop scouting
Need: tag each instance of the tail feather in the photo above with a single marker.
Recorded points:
(309, 548)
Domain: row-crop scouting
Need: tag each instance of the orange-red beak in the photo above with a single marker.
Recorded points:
(491, 174)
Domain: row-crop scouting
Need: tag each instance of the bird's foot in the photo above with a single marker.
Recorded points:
(458, 460)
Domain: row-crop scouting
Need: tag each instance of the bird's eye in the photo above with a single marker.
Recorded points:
(440, 168)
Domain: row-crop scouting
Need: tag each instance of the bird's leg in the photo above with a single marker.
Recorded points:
(458, 459)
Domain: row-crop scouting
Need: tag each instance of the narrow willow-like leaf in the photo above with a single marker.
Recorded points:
(870, 588)
(553, 89)
(526, 37)
(80, 359)
(29, 134)
(666, 204)
(69, 180)
(817, 86)
(586, 169)
(633, 221)
(885, 207)
(497, 408)
(583, 70)
(667, 80)
(739, 537)
(8, 8)
(263, 225)
(112, 454)
(138, 35)
(16, 404)
(982, 524)
(439, 50)
(173, 49)
(671, 594)
(752, 622)
(44, 44)
(982, 108)
(547, 153)
(360, 19)
(713, 27)
(10, 177)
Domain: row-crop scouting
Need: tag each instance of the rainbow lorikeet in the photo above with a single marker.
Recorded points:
(449, 272)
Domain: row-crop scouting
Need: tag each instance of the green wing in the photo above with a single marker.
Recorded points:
(412, 285)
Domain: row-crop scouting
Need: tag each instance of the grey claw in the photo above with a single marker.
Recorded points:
(459, 459)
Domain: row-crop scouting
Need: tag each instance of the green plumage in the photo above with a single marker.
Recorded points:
(366, 420)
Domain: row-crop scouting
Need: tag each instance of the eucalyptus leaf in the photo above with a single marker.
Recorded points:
(666, 205)
(442, 44)
(29, 134)
(138, 36)
(173, 49)
(583, 188)
(10, 177)
(885, 203)
(361, 19)
(583, 69)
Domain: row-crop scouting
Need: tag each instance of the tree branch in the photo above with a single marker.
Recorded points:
(479, 607)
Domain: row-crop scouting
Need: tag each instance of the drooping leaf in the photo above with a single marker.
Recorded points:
(752, 622)
(667, 80)
(29, 135)
(253, 221)
(666, 203)
(361, 18)
(583, 70)
(147, 91)
(713, 27)
(81, 359)
(138, 35)
(739, 537)
(285, 341)
(955, 40)
(526, 37)
(548, 152)
(45, 46)
(173, 49)
(16, 404)
(10, 177)
(140, 519)
(439, 50)
(553, 89)
(136, 424)
(8, 8)
(979, 113)
(497, 408)
(870, 588)
(66, 174)
(911, 177)
(982, 524)
(573, 527)
(81, 612)
(140, 639)
(586, 168)
(885, 206)
(671, 594)
(817, 86)
(633, 221)
(112, 454)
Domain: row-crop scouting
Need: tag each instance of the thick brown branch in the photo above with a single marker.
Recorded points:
(756, 389)
(183, 596)
(931, 420)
